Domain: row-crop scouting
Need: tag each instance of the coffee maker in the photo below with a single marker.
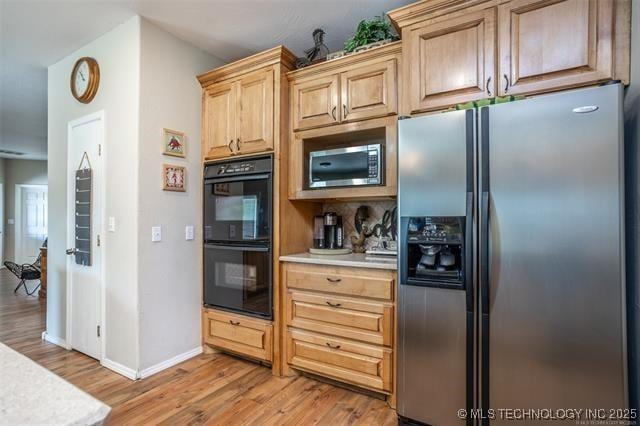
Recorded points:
(328, 231)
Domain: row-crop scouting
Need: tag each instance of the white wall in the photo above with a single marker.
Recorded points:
(147, 82)
(26, 172)
(632, 140)
(169, 272)
(118, 54)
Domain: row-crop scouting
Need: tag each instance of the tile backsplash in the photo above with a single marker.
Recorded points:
(348, 211)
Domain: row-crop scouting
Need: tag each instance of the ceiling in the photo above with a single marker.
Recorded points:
(37, 33)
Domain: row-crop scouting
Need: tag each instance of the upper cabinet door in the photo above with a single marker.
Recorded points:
(315, 102)
(369, 91)
(554, 44)
(219, 121)
(451, 60)
(254, 106)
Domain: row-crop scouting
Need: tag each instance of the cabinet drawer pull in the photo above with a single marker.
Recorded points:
(333, 113)
(344, 111)
(334, 280)
(334, 305)
(506, 84)
(229, 145)
(488, 90)
(232, 322)
(333, 346)
(238, 145)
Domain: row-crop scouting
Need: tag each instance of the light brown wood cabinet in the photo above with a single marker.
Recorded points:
(238, 116)
(369, 91)
(340, 323)
(219, 120)
(239, 334)
(343, 360)
(352, 88)
(315, 102)
(550, 45)
(451, 60)
(462, 51)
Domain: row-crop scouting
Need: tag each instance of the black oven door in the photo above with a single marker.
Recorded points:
(238, 209)
(238, 278)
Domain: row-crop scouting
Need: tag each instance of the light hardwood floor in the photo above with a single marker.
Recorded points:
(211, 389)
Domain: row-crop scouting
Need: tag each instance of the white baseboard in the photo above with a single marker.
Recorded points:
(125, 371)
(170, 362)
(55, 340)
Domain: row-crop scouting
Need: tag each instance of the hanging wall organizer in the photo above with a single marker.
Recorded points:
(83, 212)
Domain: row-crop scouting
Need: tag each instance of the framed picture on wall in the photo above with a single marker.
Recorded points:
(173, 143)
(174, 178)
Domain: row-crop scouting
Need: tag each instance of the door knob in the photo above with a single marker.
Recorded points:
(71, 251)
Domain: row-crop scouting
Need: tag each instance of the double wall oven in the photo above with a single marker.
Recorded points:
(238, 249)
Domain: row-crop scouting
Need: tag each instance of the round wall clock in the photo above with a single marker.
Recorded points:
(85, 79)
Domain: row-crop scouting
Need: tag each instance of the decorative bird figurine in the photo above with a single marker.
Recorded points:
(318, 51)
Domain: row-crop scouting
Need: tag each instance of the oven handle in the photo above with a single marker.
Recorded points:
(262, 249)
(237, 178)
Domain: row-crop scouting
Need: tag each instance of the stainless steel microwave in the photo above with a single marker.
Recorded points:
(352, 166)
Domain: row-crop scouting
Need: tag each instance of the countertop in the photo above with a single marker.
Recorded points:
(355, 260)
(31, 394)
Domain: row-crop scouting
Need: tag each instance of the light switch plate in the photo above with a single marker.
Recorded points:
(156, 233)
(10, 221)
(188, 232)
(112, 224)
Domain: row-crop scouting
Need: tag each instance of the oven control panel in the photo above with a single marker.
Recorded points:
(238, 167)
(226, 169)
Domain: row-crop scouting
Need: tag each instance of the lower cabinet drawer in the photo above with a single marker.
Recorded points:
(356, 282)
(238, 334)
(346, 361)
(360, 319)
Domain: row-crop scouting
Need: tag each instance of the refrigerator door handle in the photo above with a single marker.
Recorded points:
(484, 253)
(468, 252)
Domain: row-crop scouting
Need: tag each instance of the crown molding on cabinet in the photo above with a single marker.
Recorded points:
(276, 55)
(339, 63)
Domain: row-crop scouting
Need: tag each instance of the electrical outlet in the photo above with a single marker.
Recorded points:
(188, 232)
(156, 233)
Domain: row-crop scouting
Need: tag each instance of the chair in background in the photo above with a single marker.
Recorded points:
(26, 272)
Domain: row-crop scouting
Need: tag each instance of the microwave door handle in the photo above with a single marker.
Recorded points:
(237, 178)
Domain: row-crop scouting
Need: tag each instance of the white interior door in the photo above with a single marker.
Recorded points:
(85, 278)
(31, 229)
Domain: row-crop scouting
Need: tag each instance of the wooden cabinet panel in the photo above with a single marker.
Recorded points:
(219, 117)
(345, 281)
(351, 362)
(552, 44)
(239, 334)
(254, 131)
(451, 60)
(315, 102)
(358, 319)
(369, 91)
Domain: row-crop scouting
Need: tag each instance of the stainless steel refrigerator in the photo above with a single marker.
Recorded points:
(511, 259)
